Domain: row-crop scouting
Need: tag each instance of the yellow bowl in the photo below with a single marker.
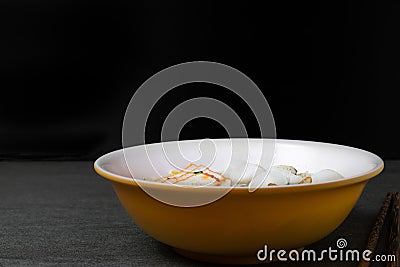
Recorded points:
(235, 227)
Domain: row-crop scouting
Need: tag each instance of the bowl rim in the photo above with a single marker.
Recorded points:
(348, 180)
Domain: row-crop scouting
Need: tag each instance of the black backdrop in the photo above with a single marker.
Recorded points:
(69, 69)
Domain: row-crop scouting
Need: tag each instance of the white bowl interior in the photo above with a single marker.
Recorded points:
(152, 161)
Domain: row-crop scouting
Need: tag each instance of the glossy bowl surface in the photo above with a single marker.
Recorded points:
(235, 227)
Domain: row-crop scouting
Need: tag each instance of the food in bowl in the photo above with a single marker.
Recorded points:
(200, 175)
(195, 175)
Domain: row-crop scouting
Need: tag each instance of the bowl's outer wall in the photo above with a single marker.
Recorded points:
(241, 222)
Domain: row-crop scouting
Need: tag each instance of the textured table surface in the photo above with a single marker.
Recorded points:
(63, 213)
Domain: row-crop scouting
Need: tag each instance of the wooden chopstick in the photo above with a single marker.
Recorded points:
(394, 244)
(376, 230)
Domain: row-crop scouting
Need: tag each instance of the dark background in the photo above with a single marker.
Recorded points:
(69, 68)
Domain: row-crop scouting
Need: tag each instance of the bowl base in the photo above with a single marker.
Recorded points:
(224, 259)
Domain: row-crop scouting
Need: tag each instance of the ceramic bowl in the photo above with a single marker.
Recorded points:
(235, 227)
